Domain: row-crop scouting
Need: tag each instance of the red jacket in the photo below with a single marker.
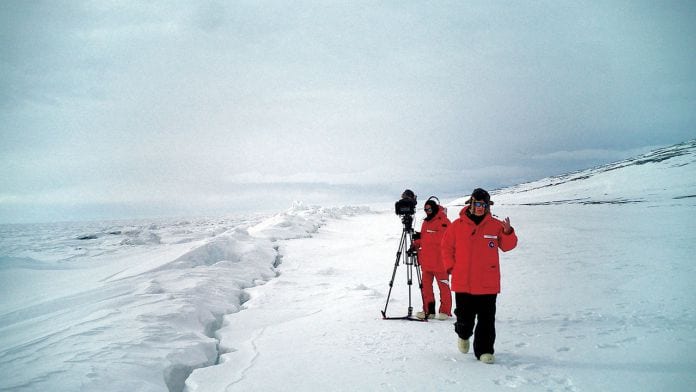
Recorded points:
(432, 231)
(471, 252)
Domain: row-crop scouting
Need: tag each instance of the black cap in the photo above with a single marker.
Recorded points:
(481, 194)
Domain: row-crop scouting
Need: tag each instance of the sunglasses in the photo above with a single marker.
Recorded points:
(428, 209)
(480, 204)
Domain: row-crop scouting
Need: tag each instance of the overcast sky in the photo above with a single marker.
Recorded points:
(126, 109)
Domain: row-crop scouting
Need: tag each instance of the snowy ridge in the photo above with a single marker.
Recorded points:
(301, 221)
(657, 177)
(150, 297)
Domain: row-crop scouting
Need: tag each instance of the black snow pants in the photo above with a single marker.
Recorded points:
(478, 310)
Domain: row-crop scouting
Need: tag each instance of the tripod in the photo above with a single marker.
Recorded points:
(410, 259)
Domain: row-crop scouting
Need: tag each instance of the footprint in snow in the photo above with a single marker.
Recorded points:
(327, 272)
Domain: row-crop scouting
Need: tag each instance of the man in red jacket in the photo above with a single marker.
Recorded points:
(430, 258)
(470, 251)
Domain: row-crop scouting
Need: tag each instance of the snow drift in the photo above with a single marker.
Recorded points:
(131, 306)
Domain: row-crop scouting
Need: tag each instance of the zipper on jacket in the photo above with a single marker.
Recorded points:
(471, 259)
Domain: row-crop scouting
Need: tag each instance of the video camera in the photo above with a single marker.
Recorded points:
(407, 204)
(405, 208)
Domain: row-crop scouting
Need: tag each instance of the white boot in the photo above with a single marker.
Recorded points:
(421, 315)
(442, 316)
(463, 345)
(487, 358)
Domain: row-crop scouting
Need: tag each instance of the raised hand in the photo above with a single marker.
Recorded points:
(507, 229)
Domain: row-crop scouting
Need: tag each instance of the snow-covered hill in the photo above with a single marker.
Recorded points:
(663, 176)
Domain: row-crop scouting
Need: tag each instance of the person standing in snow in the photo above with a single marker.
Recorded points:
(470, 251)
(430, 259)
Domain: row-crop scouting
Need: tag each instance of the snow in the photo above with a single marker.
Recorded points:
(598, 295)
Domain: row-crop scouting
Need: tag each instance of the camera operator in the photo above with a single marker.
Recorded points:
(430, 258)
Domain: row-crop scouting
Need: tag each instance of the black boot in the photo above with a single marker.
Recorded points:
(431, 307)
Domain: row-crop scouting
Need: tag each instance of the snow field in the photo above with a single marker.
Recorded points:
(598, 295)
(106, 312)
(583, 307)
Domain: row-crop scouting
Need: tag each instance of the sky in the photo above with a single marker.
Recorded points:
(116, 109)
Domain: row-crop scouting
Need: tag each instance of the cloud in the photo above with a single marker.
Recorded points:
(204, 100)
(598, 155)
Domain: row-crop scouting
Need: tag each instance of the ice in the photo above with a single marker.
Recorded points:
(128, 306)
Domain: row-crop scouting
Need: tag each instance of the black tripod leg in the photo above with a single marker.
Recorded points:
(409, 281)
(396, 265)
(420, 285)
(413, 262)
(391, 285)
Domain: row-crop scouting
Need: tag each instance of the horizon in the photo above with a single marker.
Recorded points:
(383, 203)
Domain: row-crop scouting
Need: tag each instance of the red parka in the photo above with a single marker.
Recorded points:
(470, 251)
(432, 231)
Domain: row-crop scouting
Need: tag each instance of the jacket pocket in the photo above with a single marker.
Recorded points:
(491, 277)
